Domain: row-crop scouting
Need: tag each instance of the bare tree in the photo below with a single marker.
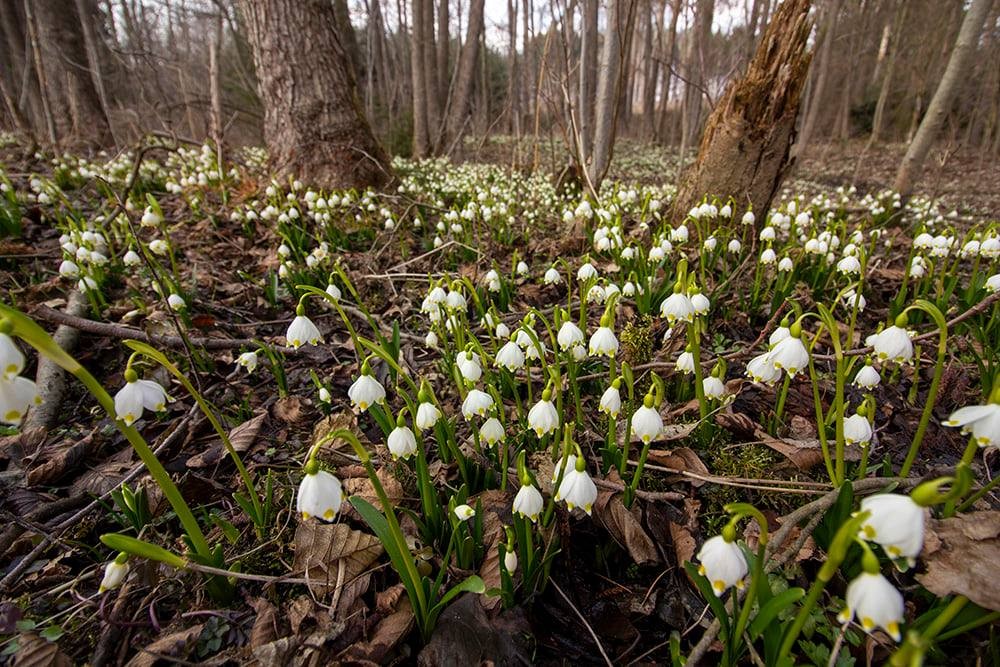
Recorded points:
(421, 125)
(588, 76)
(819, 83)
(940, 105)
(609, 88)
(466, 74)
(744, 151)
(313, 123)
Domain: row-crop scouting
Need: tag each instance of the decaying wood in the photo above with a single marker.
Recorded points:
(745, 148)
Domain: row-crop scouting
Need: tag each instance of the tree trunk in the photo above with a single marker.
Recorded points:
(313, 124)
(345, 29)
(651, 72)
(40, 73)
(588, 78)
(216, 87)
(443, 50)
(466, 74)
(669, 57)
(421, 136)
(744, 152)
(609, 88)
(894, 47)
(819, 85)
(694, 73)
(431, 79)
(940, 104)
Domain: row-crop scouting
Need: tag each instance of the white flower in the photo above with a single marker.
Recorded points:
(676, 307)
(867, 377)
(131, 258)
(468, 366)
(761, 369)
(603, 342)
(324, 395)
(685, 362)
(790, 355)
(476, 403)
(875, 602)
(510, 562)
(69, 269)
(455, 301)
(431, 339)
(749, 218)
(11, 359)
(365, 392)
(722, 563)
(896, 523)
(857, 430)
(491, 432)
(993, 283)
(302, 331)
(569, 462)
(779, 335)
(320, 495)
(247, 360)
(401, 442)
(159, 247)
(139, 395)
(114, 576)
(786, 264)
(982, 421)
(611, 402)
(700, 303)
(522, 268)
(510, 356)
(150, 218)
(596, 294)
(893, 344)
(646, 423)
(543, 418)
(710, 243)
(176, 302)
(464, 512)
(767, 234)
(577, 489)
(552, 276)
(586, 272)
(569, 335)
(16, 396)
(427, 416)
(333, 291)
(713, 387)
(528, 502)
(849, 265)
(502, 331)
(768, 256)
(734, 246)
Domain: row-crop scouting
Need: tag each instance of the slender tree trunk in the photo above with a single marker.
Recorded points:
(588, 77)
(745, 148)
(421, 143)
(819, 85)
(431, 79)
(342, 14)
(36, 53)
(895, 44)
(444, 50)
(86, 13)
(466, 75)
(609, 88)
(313, 124)
(215, 82)
(651, 72)
(694, 71)
(513, 74)
(940, 104)
(669, 57)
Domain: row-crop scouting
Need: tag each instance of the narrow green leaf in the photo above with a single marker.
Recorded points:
(142, 549)
(772, 608)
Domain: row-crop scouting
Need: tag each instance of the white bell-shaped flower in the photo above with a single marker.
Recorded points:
(761, 369)
(464, 512)
(611, 402)
(510, 356)
(868, 377)
(11, 358)
(646, 422)
(476, 403)
(875, 602)
(366, 391)
(700, 303)
(528, 502)
(427, 416)
(468, 366)
(543, 417)
(248, 360)
(401, 442)
(713, 387)
(893, 344)
(577, 488)
(569, 335)
(552, 276)
(302, 331)
(586, 272)
(685, 363)
(778, 335)
(982, 421)
(790, 355)
(896, 523)
(603, 342)
(16, 396)
(510, 562)
(491, 432)
(131, 258)
(114, 575)
(677, 308)
(722, 563)
(320, 494)
(857, 430)
(138, 395)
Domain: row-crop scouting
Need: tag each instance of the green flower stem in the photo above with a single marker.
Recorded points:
(694, 340)
(820, 419)
(979, 494)
(26, 329)
(913, 649)
(779, 411)
(942, 352)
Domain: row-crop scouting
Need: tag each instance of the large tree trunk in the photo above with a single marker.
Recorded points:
(431, 78)
(421, 135)
(345, 29)
(466, 74)
(609, 88)
(745, 148)
(940, 105)
(313, 123)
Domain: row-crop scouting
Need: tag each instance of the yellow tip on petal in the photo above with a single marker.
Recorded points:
(893, 629)
(329, 514)
(305, 516)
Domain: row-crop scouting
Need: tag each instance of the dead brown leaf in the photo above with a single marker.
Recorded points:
(960, 556)
(290, 409)
(389, 631)
(60, 459)
(33, 651)
(242, 438)
(319, 549)
(804, 454)
(625, 527)
(362, 486)
(174, 645)
(681, 459)
(265, 626)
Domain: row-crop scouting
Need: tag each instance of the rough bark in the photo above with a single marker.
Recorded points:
(421, 142)
(609, 88)
(345, 29)
(443, 50)
(466, 74)
(432, 78)
(694, 73)
(940, 104)
(313, 123)
(588, 76)
(744, 152)
(669, 56)
(819, 83)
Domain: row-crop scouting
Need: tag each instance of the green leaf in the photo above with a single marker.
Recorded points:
(142, 549)
(471, 585)
(835, 517)
(718, 608)
(231, 532)
(772, 608)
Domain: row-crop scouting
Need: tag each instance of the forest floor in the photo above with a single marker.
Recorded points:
(315, 601)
